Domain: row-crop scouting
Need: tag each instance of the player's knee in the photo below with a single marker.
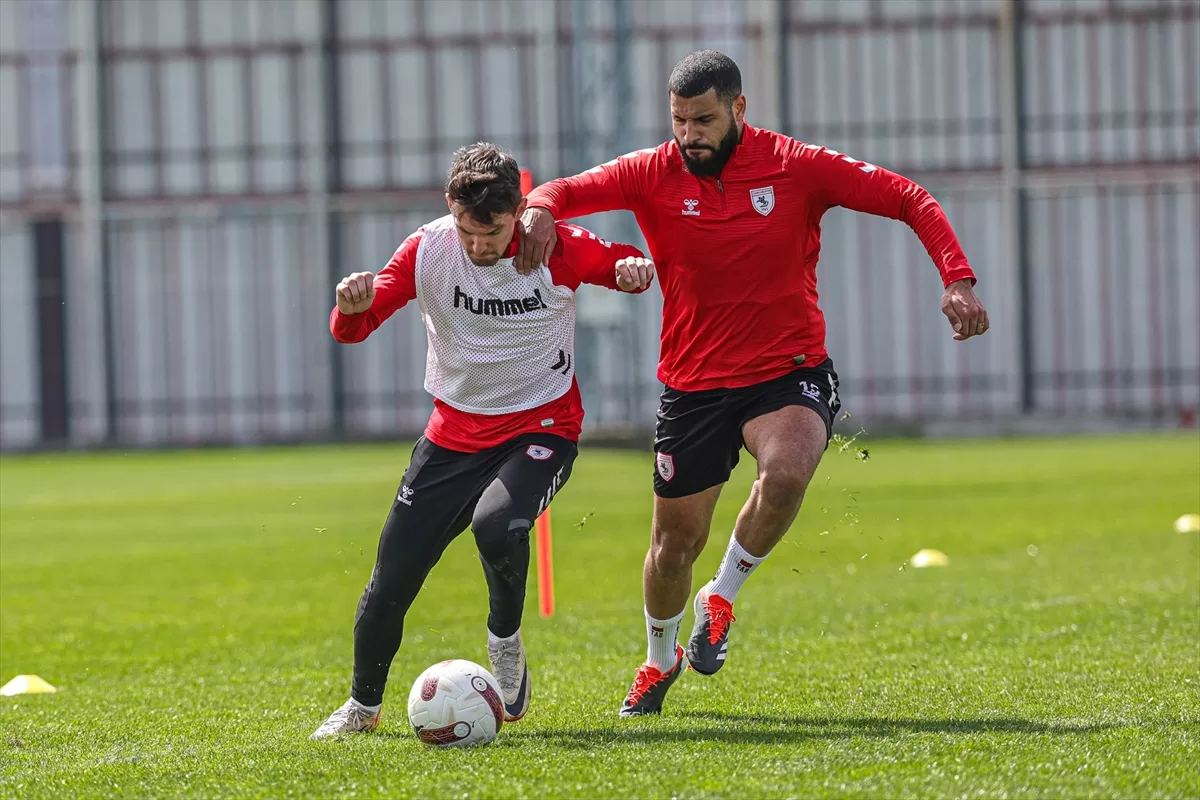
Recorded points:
(783, 484)
(675, 547)
(496, 531)
(383, 595)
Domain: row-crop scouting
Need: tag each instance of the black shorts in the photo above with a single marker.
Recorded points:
(441, 487)
(698, 438)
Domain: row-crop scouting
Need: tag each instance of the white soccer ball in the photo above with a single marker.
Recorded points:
(455, 703)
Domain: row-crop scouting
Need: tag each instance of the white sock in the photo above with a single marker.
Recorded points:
(662, 635)
(368, 709)
(736, 567)
(494, 640)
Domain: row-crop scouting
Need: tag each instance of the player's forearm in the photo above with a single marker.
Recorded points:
(864, 187)
(351, 328)
(578, 196)
(921, 212)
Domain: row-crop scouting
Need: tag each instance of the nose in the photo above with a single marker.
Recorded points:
(479, 247)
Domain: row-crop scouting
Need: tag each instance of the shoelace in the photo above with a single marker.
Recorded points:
(508, 662)
(346, 715)
(646, 679)
(720, 614)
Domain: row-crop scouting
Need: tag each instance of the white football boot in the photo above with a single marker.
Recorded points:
(350, 718)
(512, 673)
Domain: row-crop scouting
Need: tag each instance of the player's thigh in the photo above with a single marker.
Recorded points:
(787, 444)
(789, 423)
(432, 506)
(696, 446)
(535, 470)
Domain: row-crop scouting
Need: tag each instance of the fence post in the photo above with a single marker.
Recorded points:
(93, 239)
(772, 60)
(1015, 199)
(331, 185)
(50, 278)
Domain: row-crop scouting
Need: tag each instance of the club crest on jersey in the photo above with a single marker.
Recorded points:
(763, 199)
(666, 466)
(539, 453)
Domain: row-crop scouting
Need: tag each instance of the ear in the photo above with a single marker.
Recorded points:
(739, 108)
(524, 204)
(449, 203)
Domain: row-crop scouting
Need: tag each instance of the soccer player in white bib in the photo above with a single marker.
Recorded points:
(507, 410)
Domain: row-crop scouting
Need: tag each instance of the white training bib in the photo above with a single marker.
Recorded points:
(499, 341)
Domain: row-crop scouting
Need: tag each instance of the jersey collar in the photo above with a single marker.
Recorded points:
(511, 250)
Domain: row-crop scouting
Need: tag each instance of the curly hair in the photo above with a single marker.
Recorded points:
(703, 70)
(485, 181)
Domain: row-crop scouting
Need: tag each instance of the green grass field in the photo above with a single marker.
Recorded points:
(195, 610)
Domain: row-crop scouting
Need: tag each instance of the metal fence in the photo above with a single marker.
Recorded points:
(183, 181)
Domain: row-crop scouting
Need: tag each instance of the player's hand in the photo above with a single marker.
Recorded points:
(634, 274)
(966, 313)
(537, 240)
(356, 292)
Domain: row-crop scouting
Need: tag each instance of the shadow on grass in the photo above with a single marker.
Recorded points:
(712, 726)
(884, 726)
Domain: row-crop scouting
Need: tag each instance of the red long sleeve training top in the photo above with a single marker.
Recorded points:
(737, 256)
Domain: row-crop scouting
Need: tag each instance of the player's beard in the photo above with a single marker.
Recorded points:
(711, 167)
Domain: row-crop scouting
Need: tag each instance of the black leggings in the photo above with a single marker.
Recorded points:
(499, 492)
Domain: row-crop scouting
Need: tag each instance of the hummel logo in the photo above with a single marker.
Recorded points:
(405, 495)
(690, 208)
(496, 307)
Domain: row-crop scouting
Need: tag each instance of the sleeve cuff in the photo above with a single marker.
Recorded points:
(955, 274)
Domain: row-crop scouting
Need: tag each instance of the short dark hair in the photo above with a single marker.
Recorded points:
(485, 181)
(703, 70)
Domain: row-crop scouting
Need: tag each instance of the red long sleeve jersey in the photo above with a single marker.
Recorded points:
(580, 257)
(736, 257)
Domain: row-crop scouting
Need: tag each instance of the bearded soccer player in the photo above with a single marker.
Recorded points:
(732, 217)
(507, 410)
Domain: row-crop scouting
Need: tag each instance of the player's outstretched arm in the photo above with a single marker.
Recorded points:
(617, 185)
(364, 301)
(839, 180)
(583, 257)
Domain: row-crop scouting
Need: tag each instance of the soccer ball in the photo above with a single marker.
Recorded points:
(455, 703)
